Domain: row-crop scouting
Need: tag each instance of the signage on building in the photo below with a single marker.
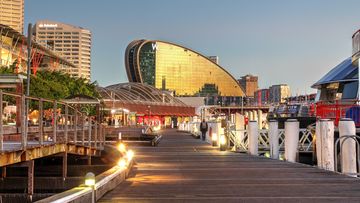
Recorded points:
(154, 46)
(47, 25)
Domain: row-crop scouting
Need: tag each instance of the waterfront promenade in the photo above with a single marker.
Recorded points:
(184, 169)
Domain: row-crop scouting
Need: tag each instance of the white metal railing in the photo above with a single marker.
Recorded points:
(240, 139)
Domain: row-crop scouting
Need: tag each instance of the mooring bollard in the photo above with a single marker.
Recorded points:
(274, 139)
(253, 137)
(291, 139)
(318, 143)
(327, 144)
(348, 148)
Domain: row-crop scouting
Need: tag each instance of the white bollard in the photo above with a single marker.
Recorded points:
(255, 115)
(318, 142)
(260, 119)
(253, 137)
(274, 139)
(348, 149)
(327, 143)
(291, 139)
(251, 116)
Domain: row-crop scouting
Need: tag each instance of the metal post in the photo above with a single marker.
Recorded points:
(41, 125)
(89, 160)
(29, 44)
(75, 128)
(83, 131)
(24, 123)
(30, 179)
(55, 121)
(66, 122)
(95, 134)
(65, 166)
(1, 122)
(89, 136)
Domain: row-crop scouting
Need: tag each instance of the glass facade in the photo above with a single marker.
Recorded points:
(175, 68)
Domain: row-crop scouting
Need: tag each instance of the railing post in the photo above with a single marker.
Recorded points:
(1, 122)
(253, 138)
(41, 125)
(89, 136)
(24, 123)
(66, 122)
(83, 131)
(348, 147)
(75, 127)
(291, 139)
(55, 122)
(95, 134)
(274, 139)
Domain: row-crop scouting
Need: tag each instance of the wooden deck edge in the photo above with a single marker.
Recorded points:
(105, 182)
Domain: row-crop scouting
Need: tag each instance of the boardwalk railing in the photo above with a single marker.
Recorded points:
(240, 139)
(44, 122)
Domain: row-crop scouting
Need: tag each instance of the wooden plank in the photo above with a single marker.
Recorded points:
(183, 169)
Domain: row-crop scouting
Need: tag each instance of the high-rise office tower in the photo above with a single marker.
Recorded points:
(71, 42)
(12, 14)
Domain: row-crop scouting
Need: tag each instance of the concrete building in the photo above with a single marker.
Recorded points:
(71, 42)
(13, 51)
(12, 14)
(249, 83)
(261, 97)
(279, 93)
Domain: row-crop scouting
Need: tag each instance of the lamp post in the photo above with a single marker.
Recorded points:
(90, 182)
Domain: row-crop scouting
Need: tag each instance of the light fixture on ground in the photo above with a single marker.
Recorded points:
(129, 155)
(90, 182)
(90, 179)
(222, 143)
(122, 163)
(121, 147)
(214, 139)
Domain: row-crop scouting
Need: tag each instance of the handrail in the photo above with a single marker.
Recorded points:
(65, 124)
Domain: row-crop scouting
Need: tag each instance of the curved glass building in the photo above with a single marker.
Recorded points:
(172, 67)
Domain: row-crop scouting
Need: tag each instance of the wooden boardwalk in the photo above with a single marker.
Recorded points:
(183, 169)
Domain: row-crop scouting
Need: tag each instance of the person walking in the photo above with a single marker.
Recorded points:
(203, 129)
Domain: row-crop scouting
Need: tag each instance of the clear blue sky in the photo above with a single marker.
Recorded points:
(281, 41)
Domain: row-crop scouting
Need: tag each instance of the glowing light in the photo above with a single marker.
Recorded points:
(90, 179)
(113, 111)
(156, 128)
(122, 163)
(126, 111)
(129, 154)
(222, 140)
(267, 154)
(121, 147)
(214, 137)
